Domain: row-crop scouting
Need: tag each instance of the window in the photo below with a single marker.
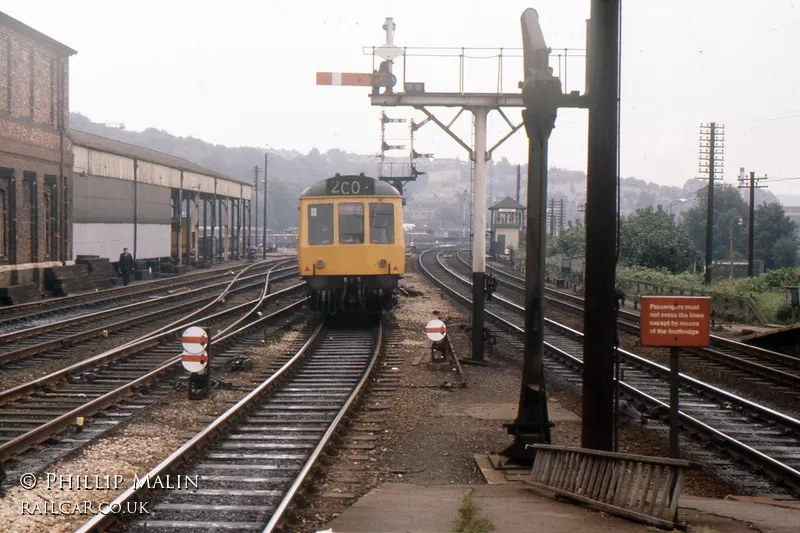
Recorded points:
(351, 223)
(381, 223)
(320, 224)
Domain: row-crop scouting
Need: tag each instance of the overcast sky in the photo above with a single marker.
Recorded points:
(243, 73)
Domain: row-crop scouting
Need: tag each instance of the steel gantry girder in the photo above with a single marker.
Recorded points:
(480, 105)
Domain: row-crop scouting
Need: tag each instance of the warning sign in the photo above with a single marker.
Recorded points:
(194, 362)
(435, 330)
(675, 320)
(195, 340)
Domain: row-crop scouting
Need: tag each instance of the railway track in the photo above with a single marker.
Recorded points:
(765, 442)
(23, 316)
(65, 338)
(251, 462)
(759, 367)
(37, 411)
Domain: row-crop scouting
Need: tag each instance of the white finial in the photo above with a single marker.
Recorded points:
(389, 51)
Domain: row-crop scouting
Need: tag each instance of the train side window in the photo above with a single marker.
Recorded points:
(351, 223)
(381, 223)
(320, 224)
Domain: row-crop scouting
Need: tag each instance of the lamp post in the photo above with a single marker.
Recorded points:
(678, 201)
(738, 220)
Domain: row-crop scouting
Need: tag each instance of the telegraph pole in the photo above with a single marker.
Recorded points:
(752, 216)
(264, 256)
(255, 201)
(519, 174)
(711, 159)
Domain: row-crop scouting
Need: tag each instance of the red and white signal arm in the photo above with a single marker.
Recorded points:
(435, 330)
(195, 340)
(194, 362)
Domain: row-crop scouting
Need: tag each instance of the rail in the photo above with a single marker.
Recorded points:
(775, 468)
(238, 413)
(61, 422)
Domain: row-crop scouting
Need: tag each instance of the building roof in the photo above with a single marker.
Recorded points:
(104, 144)
(507, 203)
(35, 35)
(320, 188)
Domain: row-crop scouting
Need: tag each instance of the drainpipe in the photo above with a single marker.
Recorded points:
(180, 216)
(135, 206)
(60, 184)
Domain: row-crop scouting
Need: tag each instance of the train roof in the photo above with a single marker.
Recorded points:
(320, 188)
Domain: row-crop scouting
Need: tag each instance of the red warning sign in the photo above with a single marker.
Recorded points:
(195, 340)
(194, 362)
(675, 320)
(435, 330)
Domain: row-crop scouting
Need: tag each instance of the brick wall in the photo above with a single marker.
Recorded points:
(31, 136)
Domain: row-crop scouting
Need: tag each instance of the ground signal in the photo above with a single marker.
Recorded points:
(435, 330)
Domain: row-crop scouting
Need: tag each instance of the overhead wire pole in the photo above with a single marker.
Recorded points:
(752, 215)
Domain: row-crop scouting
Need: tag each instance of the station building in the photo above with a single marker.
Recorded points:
(65, 193)
(35, 153)
(155, 204)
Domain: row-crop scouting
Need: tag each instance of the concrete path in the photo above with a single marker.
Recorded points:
(516, 508)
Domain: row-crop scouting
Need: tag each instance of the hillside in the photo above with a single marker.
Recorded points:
(290, 172)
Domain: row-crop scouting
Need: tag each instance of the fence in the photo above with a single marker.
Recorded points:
(724, 307)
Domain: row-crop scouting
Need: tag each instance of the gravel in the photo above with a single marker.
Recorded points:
(434, 427)
(134, 448)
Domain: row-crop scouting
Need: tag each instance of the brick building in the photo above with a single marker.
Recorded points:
(35, 153)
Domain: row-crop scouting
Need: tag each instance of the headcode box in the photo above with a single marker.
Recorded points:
(675, 320)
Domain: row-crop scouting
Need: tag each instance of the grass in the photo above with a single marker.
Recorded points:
(467, 520)
(767, 289)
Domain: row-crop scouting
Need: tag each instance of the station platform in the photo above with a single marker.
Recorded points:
(517, 508)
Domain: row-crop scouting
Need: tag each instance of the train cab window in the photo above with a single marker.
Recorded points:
(320, 224)
(381, 223)
(351, 223)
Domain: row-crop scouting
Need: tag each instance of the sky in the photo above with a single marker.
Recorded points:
(242, 73)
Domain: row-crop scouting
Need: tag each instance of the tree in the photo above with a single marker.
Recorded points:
(775, 239)
(570, 242)
(650, 238)
(728, 205)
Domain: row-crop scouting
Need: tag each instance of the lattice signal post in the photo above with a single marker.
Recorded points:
(711, 160)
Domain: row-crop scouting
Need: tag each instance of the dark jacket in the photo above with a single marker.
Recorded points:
(125, 263)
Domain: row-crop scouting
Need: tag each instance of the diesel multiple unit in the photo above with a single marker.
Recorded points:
(350, 246)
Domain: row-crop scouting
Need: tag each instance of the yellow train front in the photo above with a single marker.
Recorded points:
(351, 250)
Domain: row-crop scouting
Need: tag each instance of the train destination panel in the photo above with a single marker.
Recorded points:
(350, 186)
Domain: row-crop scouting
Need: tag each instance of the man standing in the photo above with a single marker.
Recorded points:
(126, 266)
